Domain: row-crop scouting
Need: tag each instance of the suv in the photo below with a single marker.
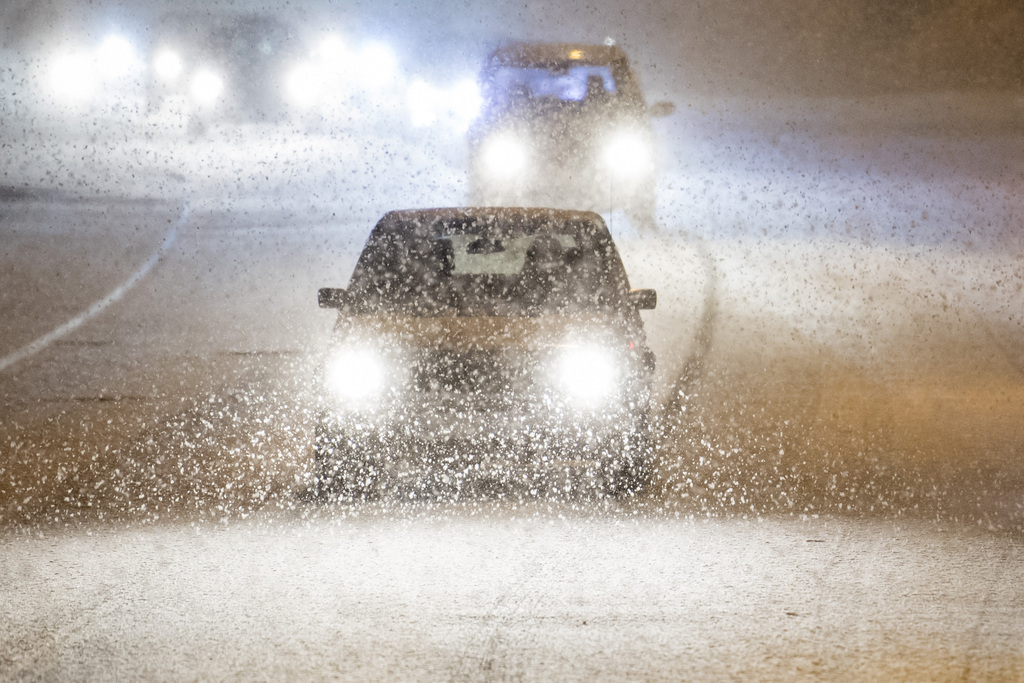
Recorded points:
(495, 342)
(564, 125)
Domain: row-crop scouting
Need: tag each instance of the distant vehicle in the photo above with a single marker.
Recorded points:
(498, 342)
(222, 66)
(564, 125)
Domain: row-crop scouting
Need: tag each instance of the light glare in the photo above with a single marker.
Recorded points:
(72, 77)
(354, 374)
(422, 102)
(168, 65)
(587, 374)
(465, 101)
(504, 156)
(627, 155)
(116, 57)
(206, 87)
(332, 52)
(304, 85)
(376, 65)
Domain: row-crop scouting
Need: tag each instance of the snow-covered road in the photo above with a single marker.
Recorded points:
(840, 488)
(541, 592)
(841, 498)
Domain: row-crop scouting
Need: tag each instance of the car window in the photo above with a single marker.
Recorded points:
(474, 255)
(567, 83)
(499, 272)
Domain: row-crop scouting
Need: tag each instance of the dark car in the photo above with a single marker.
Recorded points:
(494, 343)
(222, 66)
(564, 125)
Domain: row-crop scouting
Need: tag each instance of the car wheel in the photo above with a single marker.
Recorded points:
(342, 468)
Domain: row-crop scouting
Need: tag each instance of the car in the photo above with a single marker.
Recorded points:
(564, 125)
(222, 66)
(486, 344)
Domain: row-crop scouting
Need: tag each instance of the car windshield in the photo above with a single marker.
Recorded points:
(472, 267)
(565, 83)
(233, 39)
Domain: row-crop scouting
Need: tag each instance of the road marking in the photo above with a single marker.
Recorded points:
(42, 342)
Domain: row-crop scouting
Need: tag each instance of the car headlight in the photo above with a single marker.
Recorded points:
(465, 102)
(116, 57)
(627, 155)
(206, 87)
(304, 84)
(504, 156)
(587, 375)
(73, 77)
(375, 66)
(167, 65)
(354, 375)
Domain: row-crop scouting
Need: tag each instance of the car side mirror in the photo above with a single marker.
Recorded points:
(643, 299)
(331, 297)
(661, 109)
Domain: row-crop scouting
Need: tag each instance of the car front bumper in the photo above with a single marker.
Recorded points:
(544, 435)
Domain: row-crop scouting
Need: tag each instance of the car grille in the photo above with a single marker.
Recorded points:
(465, 373)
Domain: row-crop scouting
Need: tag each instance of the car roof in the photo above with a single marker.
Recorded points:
(524, 214)
(542, 54)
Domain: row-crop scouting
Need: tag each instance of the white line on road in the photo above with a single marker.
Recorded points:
(42, 342)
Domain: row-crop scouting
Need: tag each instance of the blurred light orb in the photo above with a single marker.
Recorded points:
(332, 52)
(421, 99)
(587, 375)
(116, 57)
(73, 77)
(303, 86)
(456, 106)
(628, 155)
(206, 87)
(354, 374)
(465, 101)
(167, 65)
(376, 65)
(504, 156)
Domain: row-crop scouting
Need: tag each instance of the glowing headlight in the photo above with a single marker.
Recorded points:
(376, 65)
(588, 375)
(422, 102)
(353, 375)
(73, 77)
(167, 65)
(332, 51)
(627, 155)
(466, 102)
(457, 105)
(116, 57)
(304, 85)
(504, 157)
(206, 87)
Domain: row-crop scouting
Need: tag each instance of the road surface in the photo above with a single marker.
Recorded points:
(839, 488)
(805, 522)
